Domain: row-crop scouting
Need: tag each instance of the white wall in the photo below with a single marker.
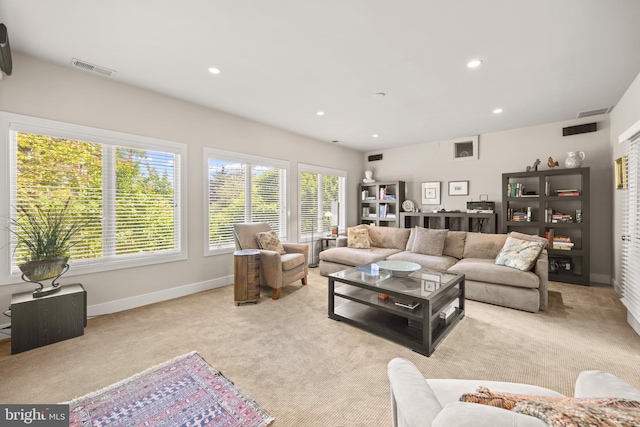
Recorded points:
(625, 114)
(41, 89)
(511, 151)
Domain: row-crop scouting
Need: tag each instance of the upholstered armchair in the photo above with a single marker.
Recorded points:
(278, 268)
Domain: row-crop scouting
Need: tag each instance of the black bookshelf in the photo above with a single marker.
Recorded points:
(555, 202)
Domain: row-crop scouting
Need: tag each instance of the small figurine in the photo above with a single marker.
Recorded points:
(534, 167)
(551, 163)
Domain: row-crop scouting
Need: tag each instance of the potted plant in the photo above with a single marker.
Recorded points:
(44, 238)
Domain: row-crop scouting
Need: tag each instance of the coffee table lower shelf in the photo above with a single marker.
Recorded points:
(358, 305)
(393, 327)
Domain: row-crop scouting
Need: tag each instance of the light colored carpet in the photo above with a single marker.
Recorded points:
(308, 370)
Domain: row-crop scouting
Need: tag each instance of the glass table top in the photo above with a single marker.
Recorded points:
(421, 284)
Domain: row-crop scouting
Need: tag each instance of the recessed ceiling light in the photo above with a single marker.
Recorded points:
(335, 141)
(375, 135)
(320, 113)
(475, 63)
(214, 70)
(379, 95)
(497, 111)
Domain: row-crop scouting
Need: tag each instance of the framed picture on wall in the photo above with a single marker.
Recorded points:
(458, 188)
(431, 193)
(621, 173)
(465, 148)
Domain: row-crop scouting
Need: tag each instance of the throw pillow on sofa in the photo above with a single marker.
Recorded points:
(519, 254)
(429, 242)
(358, 238)
(268, 240)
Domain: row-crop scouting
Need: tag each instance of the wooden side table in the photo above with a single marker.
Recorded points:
(44, 320)
(246, 273)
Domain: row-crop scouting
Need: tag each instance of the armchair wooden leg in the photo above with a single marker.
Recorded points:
(304, 280)
(276, 293)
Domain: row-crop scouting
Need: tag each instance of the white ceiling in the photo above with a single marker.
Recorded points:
(281, 61)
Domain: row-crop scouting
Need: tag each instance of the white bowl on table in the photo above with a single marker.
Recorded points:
(399, 268)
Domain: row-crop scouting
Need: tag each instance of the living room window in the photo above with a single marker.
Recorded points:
(243, 188)
(129, 186)
(322, 191)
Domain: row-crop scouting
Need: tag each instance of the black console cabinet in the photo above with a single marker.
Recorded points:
(36, 322)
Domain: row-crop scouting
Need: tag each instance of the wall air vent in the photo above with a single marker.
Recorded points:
(83, 65)
(594, 112)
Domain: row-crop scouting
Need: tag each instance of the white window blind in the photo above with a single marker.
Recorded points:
(243, 188)
(630, 285)
(127, 187)
(321, 189)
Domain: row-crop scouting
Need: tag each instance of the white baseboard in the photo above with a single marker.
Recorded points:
(167, 294)
(141, 300)
(633, 322)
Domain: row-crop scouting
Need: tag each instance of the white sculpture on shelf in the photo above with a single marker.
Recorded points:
(368, 177)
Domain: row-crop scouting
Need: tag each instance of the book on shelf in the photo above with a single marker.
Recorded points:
(515, 189)
(568, 192)
(549, 236)
(383, 193)
(561, 218)
(562, 247)
(564, 239)
(405, 303)
(519, 215)
(562, 243)
(383, 211)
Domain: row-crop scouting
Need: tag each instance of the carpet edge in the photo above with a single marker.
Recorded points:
(129, 379)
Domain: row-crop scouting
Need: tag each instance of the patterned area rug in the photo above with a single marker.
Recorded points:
(185, 391)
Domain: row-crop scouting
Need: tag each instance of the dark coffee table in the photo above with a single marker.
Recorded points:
(354, 299)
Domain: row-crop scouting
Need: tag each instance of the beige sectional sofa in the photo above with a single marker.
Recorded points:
(471, 254)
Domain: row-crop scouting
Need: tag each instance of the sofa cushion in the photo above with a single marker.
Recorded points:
(441, 263)
(268, 240)
(389, 237)
(519, 254)
(454, 244)
(355, 257)
(455, 413)
(485, 270)
(428, 241)
(482, 245)
(291, 261)
(358, 238)
(461, 414)
(599, 384)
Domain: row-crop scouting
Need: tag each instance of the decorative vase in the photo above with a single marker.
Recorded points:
(35, 271)
(574, 159)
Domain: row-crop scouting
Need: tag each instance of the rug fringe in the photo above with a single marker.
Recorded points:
(129, 379)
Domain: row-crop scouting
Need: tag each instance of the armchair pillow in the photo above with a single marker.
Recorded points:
(358, 238)
(268, 240)
(519, 254)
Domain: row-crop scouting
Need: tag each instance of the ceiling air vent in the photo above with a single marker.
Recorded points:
(83, 65)
(594, 112)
